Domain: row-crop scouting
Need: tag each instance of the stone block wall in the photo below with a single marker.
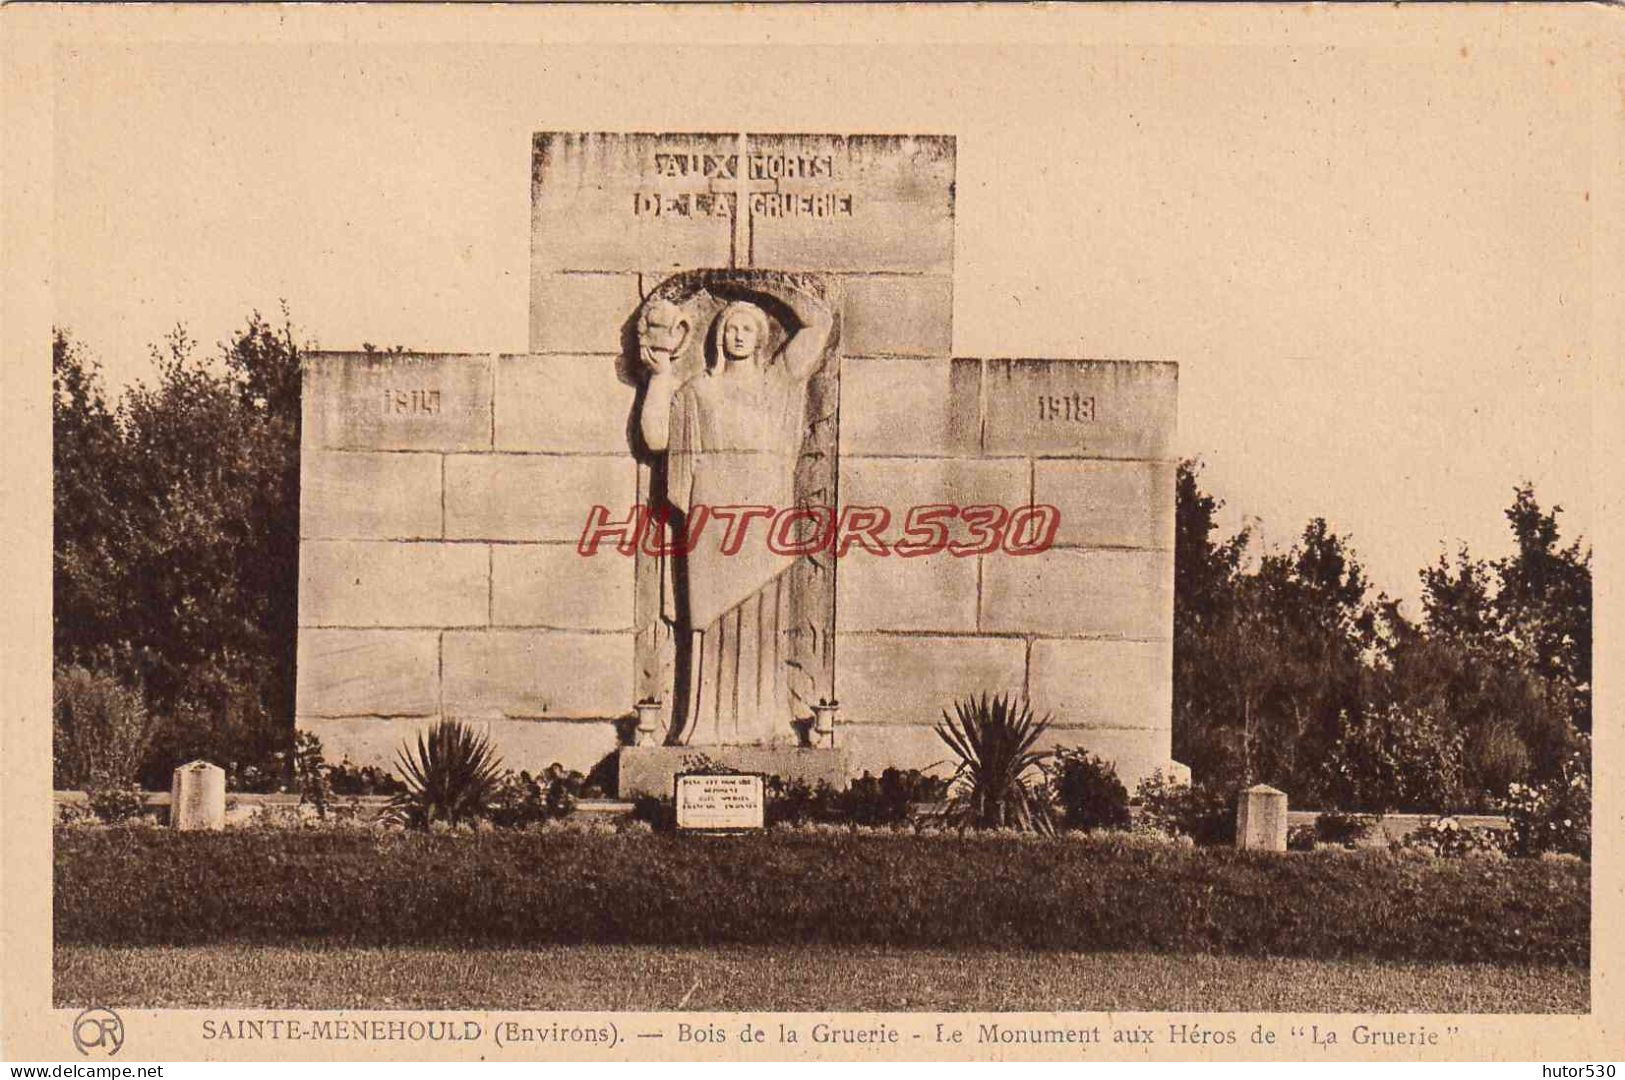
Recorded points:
(441, 499)
(1085, 629)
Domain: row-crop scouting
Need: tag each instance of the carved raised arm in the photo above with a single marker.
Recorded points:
(805, 349)
(654, 421)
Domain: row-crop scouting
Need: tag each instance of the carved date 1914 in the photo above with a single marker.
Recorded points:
(1074, 407)
(411, 402)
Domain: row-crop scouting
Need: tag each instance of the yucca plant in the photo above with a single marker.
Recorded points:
(451, 776)
(994, 741)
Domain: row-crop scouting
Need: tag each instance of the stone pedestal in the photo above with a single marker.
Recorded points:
(649, 770)
(1261, 819)
(197, 797)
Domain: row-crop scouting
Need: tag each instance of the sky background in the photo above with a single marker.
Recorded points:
(1372, 264)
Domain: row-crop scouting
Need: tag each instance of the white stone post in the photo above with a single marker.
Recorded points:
(197, 797)
(1261, 819)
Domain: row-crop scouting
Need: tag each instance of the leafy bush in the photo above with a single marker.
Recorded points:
(348, 778)
(1204, 812)
(885, 800)
(1554, 815)
(100, 730)
(1447, 838)
(1399, 759)
(1344, 830)
(221, 716)
(1087, 791)
(451, 778)
(994, 782)
(310, 773)
(74, 815)
(603, 780)
(1159, 799)
(521, 800)
(1300, 838)
(1107, 891)
(701, 764)
(890, 798)
(796, 802)
(116, 802)
(262, 776)
(659, 812)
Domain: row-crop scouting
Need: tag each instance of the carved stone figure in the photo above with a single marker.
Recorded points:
(726, 429)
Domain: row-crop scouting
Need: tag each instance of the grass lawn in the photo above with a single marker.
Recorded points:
(791, 979)
(845, 891)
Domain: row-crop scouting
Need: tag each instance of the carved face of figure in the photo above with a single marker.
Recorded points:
(661, 333)
(739, 336)
(741, 332)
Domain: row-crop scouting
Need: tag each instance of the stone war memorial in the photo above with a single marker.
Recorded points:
(739, 498)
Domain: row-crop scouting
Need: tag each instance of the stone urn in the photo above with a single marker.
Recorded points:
(648, 722)
(823, 724)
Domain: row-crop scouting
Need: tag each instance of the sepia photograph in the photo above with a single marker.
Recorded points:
(707, 532)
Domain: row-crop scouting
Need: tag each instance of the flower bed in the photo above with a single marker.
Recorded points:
(594, 884)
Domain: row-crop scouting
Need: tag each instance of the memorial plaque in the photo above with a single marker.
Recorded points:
(720, 803)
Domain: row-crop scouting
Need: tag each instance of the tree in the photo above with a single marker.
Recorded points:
(1294, 674)
(1238, 658)
(1390, 759)
(1205, 584)
(1502, 653)
(89, 497)
(1204, 569)
(1544, 601)
(1314, 598)
(177, 526)
(1265, 662)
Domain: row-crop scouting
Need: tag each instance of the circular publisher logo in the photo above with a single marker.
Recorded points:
(98, 1032)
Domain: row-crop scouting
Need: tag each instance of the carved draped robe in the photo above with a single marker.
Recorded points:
(734, 438)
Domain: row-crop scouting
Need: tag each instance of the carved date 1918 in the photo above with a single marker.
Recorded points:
(411, 402)
(1074, 407)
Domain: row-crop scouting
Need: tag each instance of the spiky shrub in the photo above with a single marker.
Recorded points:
(997, 783)
(451, 776)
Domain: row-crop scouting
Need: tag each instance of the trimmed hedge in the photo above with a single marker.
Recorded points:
(151, 887)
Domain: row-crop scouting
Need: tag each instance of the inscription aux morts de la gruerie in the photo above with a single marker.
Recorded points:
(694, 184)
